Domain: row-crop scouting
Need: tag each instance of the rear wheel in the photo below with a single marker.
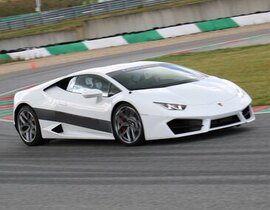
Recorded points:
(127, 125)
(28, 127)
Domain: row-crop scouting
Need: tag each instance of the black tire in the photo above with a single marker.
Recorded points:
(28, 127)
(127, 125)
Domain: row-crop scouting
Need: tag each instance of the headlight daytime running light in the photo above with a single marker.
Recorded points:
(170, 106)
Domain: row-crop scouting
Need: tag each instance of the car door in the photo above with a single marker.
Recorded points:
(78, 111)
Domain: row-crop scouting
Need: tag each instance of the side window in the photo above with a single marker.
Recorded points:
(63, 84)
(71, 84)
(113, 90)
(82, 83)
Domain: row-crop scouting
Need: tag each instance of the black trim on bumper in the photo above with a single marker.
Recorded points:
(224, 121)
(247, 113)
(179, 126)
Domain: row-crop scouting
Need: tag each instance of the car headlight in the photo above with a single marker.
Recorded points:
(170, 106)
(238, 90)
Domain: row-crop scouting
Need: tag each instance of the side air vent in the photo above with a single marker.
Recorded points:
(246, 113)
(58, 129)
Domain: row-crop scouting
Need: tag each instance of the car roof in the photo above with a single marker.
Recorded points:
(113, 68)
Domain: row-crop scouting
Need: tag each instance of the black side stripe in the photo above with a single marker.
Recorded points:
(91, 123)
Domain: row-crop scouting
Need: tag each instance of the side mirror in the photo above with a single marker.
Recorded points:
(92, 93)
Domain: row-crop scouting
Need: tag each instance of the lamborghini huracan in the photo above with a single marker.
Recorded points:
(131, 102)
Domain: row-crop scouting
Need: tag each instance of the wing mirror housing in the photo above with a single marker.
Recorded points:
(94, 93)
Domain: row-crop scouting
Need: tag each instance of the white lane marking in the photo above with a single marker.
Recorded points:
(3, 120)
(258, 113)
(220, 43)
(15, 90)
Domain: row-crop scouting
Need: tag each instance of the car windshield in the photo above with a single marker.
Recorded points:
(155, 76)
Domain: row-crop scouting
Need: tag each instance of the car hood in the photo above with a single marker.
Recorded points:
(206, 91)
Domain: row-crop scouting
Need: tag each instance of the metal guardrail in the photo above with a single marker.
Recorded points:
(24, 21)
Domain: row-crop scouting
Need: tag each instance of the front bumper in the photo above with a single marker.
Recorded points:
(197, 120)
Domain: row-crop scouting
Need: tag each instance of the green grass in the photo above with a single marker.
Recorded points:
(249, 67)
(76, 23)
(5, 61)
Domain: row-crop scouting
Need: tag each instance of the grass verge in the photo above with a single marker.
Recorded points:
(72, 24)
(6, 61)
(249, 67)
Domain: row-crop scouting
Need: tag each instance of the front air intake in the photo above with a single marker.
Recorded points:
(224, 121)
(246, 113)
(179, 126)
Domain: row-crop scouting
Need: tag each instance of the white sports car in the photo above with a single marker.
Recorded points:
(130, 102)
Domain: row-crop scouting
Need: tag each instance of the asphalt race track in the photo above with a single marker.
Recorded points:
(222, 170)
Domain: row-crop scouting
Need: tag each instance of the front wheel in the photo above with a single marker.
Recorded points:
(127, 125)
(28, 127)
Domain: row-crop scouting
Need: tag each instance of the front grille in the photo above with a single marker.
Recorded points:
(246, 113)
(179, 126)
(224, 121)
